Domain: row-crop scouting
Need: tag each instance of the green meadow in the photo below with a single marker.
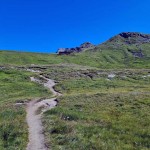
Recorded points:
(103, 57)
(99, 113)
(105, 103)
(16, 87)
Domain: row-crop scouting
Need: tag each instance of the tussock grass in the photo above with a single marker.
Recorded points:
(100, 121)
(100, 114)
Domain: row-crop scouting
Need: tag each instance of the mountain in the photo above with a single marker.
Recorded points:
(125, 50)
(131, 49)
(132, 43)
(130, 38)
(124, 39)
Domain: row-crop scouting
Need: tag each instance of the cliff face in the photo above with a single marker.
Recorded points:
(82, 47)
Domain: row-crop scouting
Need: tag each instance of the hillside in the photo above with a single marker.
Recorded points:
(98, 98)
(131, 49)
(125, 50)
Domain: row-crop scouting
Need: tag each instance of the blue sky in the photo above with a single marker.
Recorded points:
(46, 25)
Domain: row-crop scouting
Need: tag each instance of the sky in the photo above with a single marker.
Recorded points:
(46, 25)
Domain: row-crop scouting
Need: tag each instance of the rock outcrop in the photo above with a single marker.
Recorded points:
(67, 51)
(135, 37)
(131, 38)
(86, 45)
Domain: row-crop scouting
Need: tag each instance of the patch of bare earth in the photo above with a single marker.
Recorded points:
(36, 135)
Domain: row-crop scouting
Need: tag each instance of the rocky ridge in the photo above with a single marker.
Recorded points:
(135, 39)
(82, 47)
(131, 38)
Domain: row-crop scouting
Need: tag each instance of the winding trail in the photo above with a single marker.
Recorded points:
(36, 135)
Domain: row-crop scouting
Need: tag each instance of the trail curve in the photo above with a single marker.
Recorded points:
(36, 135)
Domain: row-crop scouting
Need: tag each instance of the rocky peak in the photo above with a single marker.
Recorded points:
(134, 35)
(130, 38)
(82, 47)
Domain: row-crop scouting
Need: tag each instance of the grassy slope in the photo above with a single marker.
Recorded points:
(15, 86)
(100, 112)
(100, 121)
(22, 58)
(97, 113)
(104, 56)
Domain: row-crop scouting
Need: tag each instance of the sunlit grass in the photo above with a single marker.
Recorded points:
(101, 114)
(15, 86)
(94, 112)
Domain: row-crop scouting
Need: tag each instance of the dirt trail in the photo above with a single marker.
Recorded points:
(36, 136)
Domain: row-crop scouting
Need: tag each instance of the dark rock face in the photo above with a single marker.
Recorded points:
(130, 38)
(134, 34)
(67, 51)
(135, 37)
(86, 45)
(138, 54)
(63, 51)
